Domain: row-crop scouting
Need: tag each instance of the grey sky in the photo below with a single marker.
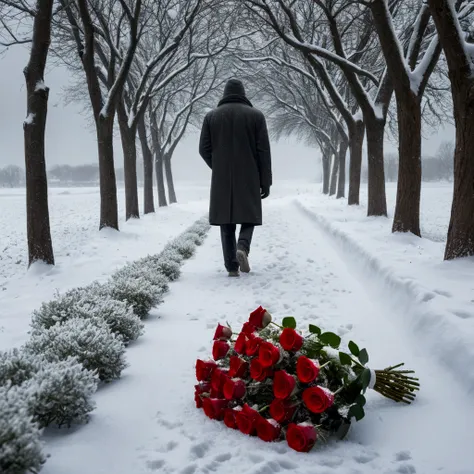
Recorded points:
(70, 141)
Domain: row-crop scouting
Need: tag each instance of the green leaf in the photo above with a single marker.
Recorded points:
(354, 348)
(357, 412)
(330, 339)
(360, 400)
(314, 329)
(365, 379)
(363, 357)
(289, 322)
(345, 358)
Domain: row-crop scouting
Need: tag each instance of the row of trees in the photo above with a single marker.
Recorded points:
(337, 64)
(328, 69)
(151, 64)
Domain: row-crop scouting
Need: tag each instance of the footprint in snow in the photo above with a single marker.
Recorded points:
(403, 456)
(199, 450)
(155, 465)
(364, 458)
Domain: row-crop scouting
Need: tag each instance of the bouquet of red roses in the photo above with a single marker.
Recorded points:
(274, 382)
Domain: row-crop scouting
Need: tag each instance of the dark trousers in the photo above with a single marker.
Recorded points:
(230, 245)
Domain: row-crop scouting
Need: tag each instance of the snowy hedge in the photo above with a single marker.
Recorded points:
(79, 338)
(89, 340)
(20, 445)
(139, 293)
(89, 302)
(17, 366)
(60, 393)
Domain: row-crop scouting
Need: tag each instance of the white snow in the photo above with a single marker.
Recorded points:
(41, 86)
(315, 259)
(30, 119)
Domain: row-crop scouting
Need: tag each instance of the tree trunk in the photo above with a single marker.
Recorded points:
(129, 147)
(341, 183)
(148, 204)
(377, 203)
(356, 141)
(326, 169)
(407, 208)
(169, 180)
(40, 246)
(334, 171)
(460, 242)
(108, 183)
(160, 181)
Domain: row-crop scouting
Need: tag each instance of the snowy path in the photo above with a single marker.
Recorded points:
(147, 421)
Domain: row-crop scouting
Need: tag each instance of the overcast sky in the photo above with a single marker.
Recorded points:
(71, 141)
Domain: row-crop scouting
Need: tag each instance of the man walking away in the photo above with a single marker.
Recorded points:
(235, 145)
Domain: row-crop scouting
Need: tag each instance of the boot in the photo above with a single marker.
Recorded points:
(243, 258)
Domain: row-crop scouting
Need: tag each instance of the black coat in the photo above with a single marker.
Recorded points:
(235, 145)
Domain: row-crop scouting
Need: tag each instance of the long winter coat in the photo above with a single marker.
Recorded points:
(235, 145)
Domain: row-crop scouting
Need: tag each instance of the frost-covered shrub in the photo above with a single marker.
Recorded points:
(170, 252)
(90, 302)
(60, 393)
(59, 309)
(89, 340)
(139, 293)
(143, 269)
(17, 366)
(20, 445)
(194, 237)
(185, 247)
(169, 267)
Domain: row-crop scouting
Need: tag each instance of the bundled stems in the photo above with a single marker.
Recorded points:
(396, 384)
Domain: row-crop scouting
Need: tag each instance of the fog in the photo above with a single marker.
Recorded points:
(71, 140)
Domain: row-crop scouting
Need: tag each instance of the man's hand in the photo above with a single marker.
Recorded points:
(264, 192)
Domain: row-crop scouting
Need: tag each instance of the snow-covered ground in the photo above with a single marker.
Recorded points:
(314, 259)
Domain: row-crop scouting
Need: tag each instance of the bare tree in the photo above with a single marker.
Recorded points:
(445, 158)
(40, 247)
(301, 26)
(449, 24)
(171, 113)
(93, 40)
(409, 79)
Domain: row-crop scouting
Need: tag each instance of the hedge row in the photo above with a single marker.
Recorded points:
(78, 340)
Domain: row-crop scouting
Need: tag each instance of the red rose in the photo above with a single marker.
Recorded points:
(268, 354)
(220, 349)
(253, 345)
(260, 318)
(238, 367)
(301, 437)
(307, 369)
(229, 418)
(246, 419)
(283, 385)
(290, 340)
(234, 389)
(282, 410)
(240, 343)
(214, 408)
(222, 332)
(258, 372)
(218, 379)
(267, 430)
(204, 370)
(318, 399)
(216, 394)
(248, 328)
